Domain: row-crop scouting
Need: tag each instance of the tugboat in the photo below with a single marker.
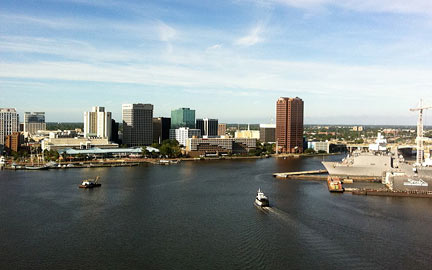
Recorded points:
(261, 200)
(90, 183)
(334, 184)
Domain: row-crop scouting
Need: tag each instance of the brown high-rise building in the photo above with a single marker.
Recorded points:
(13, 142)
(221, 129)
(289, 125)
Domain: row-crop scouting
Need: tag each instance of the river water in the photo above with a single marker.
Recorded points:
(200, 215)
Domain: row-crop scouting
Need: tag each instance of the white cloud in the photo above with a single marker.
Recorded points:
(214, 47)
(254, 36)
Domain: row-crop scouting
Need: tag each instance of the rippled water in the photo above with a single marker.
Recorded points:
(200, 215)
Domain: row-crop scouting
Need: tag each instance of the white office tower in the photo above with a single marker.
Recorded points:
(9, 123)
(34, 121)
(97, 123)
(183, 134)
(137, 124)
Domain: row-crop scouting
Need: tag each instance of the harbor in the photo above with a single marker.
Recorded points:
(206, 207)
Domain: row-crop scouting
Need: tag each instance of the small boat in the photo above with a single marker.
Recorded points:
(37, 168)
(261, 200)
(334, 184)
(90, 183)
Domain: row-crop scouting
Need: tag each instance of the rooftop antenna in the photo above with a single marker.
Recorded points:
(420, 138)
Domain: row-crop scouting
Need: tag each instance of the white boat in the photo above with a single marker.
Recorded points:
(261, 200)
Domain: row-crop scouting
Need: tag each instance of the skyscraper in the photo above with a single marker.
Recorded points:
(183, 117)
(208, 127)
(137, 124)
(222, 128)
(97, 123)
(34, 121)
(114, 131)
(161, 129)
(9, 123)
(289, 125)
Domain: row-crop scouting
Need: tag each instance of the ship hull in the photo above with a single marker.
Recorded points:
(262, 203)
(335, 168)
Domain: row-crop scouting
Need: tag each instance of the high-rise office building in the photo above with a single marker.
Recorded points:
(97, 123)
(34, 121)
(208, 127)
(137, 124)
(161, 129)
(267, 133)
(289, 125)
(182, 134)
(222, 128)
(183, 117)
(9, 123)
(115, 131)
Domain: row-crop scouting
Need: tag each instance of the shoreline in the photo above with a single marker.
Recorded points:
(128, 162)
(124, 162)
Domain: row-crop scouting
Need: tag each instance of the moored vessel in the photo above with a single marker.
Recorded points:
(334, 184)
(261, 200)
(90, 183)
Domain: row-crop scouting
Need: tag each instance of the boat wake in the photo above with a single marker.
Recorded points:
(321, 245)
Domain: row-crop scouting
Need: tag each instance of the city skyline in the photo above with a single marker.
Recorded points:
(362, 62)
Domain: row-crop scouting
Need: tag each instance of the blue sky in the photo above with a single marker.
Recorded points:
(352, 62)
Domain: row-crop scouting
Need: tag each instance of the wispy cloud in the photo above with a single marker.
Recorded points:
(166, 32)
(214, 47)
(253, 37)
(390, 6)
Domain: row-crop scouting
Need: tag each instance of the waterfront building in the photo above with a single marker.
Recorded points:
(137, 124)
(289, 125)
(247, 134)
(9, 123)
(108, 152)
(161, 129)
(97, 123)
(319, 146)
(76, 143)
(184, 133)
(13, 142)
(182, 117)
(222, 129)
(268, 133)
(196, 147)
(208, 127)
(33, 121)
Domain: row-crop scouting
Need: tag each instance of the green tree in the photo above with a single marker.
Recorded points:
(309, 151)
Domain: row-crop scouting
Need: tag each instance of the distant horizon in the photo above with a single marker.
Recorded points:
(232, 123)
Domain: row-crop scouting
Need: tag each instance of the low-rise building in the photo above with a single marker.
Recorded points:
(319, 146)
(76, 143)
(247, 134)
(218, 146)
(267, 133)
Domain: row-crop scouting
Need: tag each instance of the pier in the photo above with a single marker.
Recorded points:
(291, 174)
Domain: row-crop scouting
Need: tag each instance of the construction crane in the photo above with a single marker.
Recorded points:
(420, 138)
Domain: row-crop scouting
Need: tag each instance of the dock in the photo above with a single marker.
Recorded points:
(291, 174)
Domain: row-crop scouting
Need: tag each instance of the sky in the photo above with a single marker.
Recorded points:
(352, 61)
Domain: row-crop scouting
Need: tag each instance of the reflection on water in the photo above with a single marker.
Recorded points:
(200, 215)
